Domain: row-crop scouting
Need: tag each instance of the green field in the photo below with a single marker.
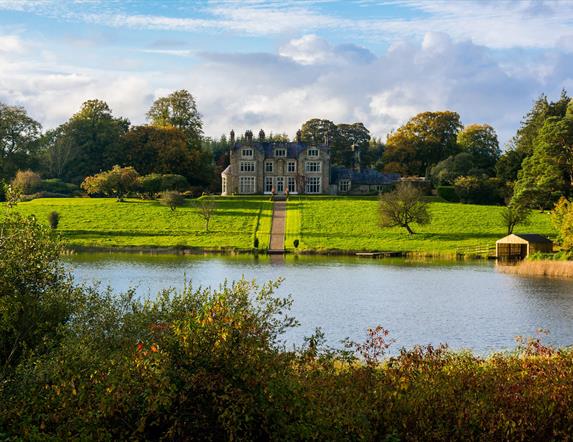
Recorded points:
(320, 223)
(103, 222)
(351, 223)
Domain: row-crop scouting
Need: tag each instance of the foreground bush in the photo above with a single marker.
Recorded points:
(206, 364)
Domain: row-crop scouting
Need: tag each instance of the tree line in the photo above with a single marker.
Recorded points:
(465, 163)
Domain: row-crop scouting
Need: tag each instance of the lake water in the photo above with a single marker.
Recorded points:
(467, 305)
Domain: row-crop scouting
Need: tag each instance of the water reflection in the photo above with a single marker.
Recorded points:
(467, 305)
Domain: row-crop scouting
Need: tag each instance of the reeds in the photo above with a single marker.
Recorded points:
(559, 269)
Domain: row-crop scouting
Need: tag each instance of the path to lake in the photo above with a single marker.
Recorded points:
(467, 305)
(277, 242)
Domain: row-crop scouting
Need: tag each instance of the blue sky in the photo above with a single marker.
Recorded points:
(273, 64)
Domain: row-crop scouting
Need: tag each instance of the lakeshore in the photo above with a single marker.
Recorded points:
(323, 225)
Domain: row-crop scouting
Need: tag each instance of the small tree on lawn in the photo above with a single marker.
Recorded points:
(206, 208)
(512, 215)
(403, 207)
(54, 219)
(172, 199)
(117, 182)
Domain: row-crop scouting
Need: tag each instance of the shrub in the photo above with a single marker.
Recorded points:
(448, 193)
(26, 181)
(117, 182)
(295, 243)
(476, 190)
(256, 243)
(150, 185)
(172, 199)
(174, 182)
(3, 186)
(54, 219)
(57, 186)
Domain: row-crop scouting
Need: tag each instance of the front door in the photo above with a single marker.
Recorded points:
(280, 184)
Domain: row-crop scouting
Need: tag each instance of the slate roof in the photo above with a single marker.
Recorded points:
(367, 176)
(530, 237)
(293, 149)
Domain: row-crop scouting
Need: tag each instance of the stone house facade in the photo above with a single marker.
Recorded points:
(259, 166)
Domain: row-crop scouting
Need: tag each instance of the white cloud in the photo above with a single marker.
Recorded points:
(308, 77)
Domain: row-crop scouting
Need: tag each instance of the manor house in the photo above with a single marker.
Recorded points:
(261, 166)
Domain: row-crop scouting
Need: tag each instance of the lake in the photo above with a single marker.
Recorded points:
(465, 304)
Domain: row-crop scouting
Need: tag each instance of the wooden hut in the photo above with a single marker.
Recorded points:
(520, 245)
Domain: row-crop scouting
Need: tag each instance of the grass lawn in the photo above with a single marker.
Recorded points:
(103, 222)
(351, 223)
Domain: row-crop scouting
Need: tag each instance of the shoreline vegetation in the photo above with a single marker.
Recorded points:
(543, 267)
(82, 363)
(322, 225)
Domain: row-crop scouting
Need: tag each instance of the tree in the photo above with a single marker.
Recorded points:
(480, 140)
(513, 215)
(562, 219)
(172, 199)
(96, 139)
(178, 110)
(350, 137)
(57, 152)
(548, 172)
(18, 140)
(403, 207)
(117, 182)
(206, 207)
(26, 181)
(317, 131)
(422, 142)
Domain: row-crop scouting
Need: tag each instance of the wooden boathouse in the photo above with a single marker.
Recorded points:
(521, 245)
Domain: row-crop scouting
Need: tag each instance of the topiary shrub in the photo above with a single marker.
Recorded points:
(256, 243)
(54, 219)
(295, 243)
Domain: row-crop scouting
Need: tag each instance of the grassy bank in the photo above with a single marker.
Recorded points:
(105, 223)
(323, 223)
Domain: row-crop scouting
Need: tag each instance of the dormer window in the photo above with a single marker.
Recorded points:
(280, 152)
(313, 152)
(247, 153)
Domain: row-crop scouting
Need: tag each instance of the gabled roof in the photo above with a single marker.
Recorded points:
(294, 149)
(367, 176)
(527, 237)
(227, 170)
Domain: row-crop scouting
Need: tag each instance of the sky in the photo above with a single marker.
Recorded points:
(272, 64)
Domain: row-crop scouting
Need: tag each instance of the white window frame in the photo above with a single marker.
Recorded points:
(268, 184)
(280, 152)
(280, 184)
(312, 166)
(247, 166)
(269, 166)
(224, 185)
(247, 153)
(344, 186)
(291, 184)
(247, 184)
(313, 185)
(293, 168)
(313, 152)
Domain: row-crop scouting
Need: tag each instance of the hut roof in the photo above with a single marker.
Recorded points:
(525, 238)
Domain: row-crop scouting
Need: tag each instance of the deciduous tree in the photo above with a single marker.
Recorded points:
(403, 207)
(117, 182)
(18, 140)
(422, 142)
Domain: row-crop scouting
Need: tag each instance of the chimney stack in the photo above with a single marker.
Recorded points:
(232, 137)
(249, 136)
(298, 136)
(262, 135)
